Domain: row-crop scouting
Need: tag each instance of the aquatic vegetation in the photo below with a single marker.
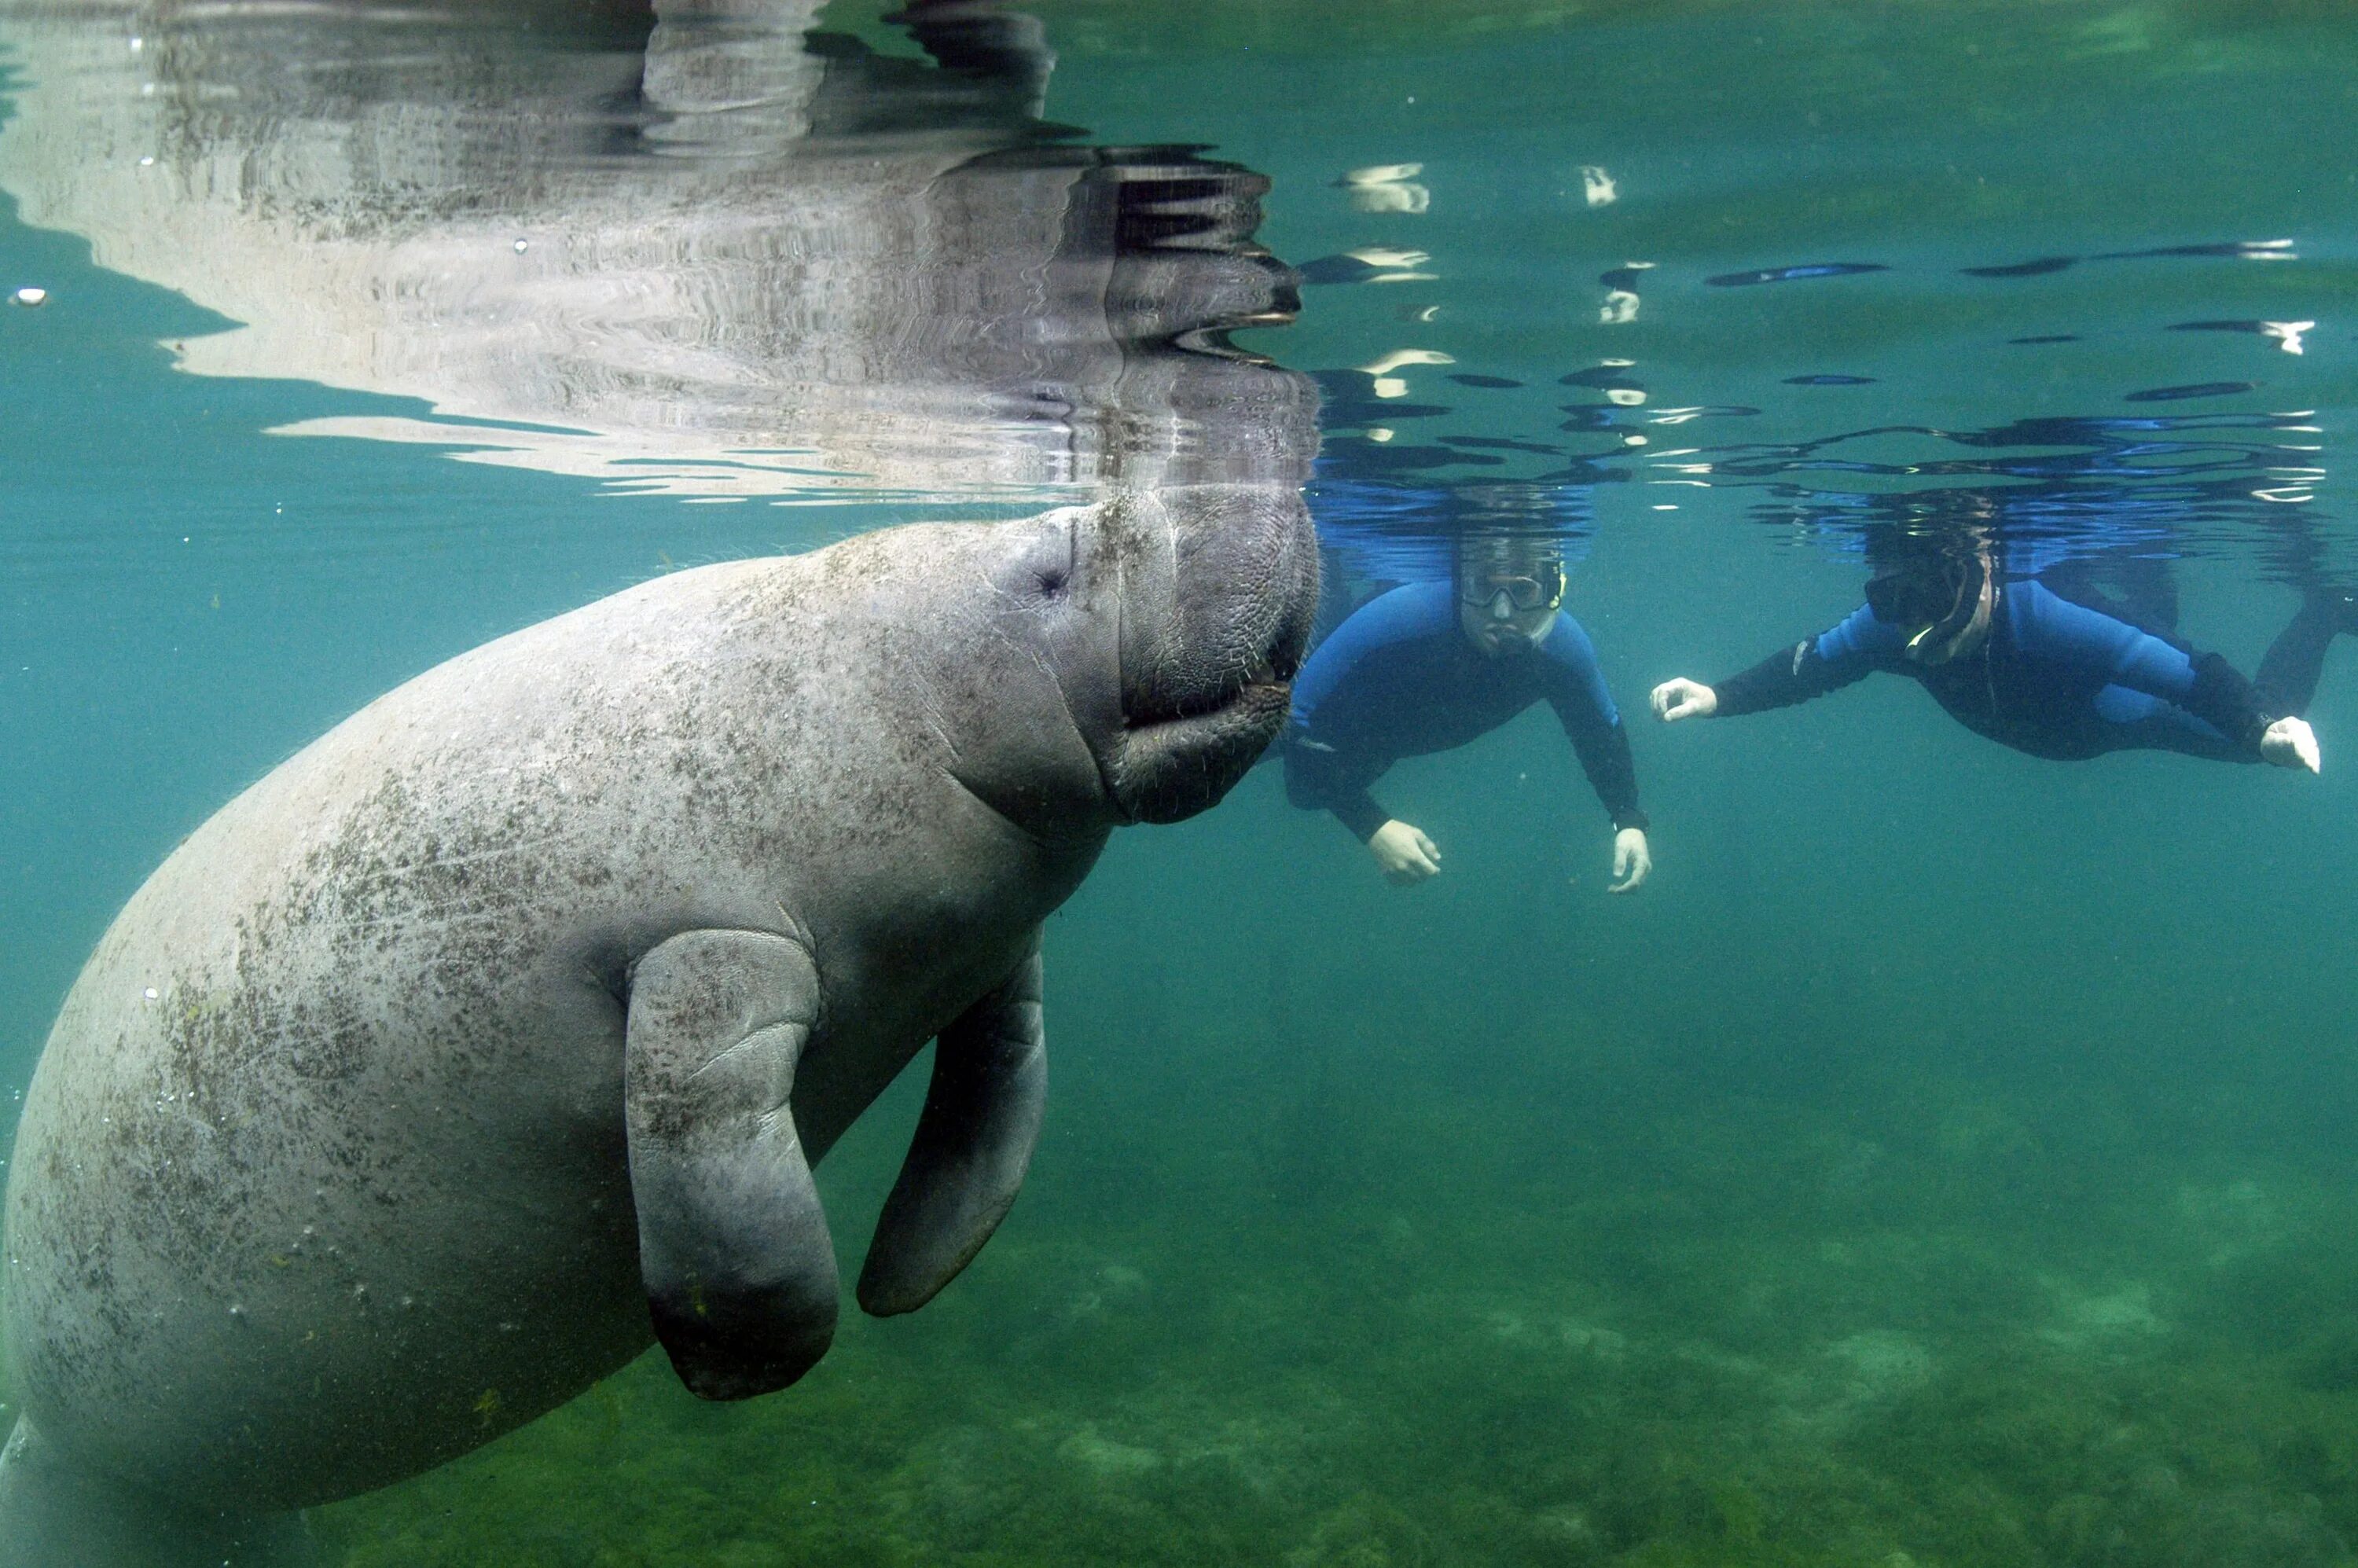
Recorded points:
(1717, 1334)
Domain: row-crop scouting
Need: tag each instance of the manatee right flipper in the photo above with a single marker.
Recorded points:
(733, 1247)
(972, 1145)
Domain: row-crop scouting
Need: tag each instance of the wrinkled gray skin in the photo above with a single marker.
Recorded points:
(493, 1034)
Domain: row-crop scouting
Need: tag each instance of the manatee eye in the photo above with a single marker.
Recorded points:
(1052, 582)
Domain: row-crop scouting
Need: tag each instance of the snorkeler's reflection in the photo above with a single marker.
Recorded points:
(1972, 617)
(1438, 661)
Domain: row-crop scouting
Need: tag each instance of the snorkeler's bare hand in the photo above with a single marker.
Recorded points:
(2290, 743)
(1404, 852)
(1684, 699)
(1632, 862)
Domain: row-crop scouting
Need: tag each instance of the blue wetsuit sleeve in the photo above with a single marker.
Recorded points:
(2049, 626)
(1576, 690)
(1320, 775)
(1850, 651)
(1317, 780)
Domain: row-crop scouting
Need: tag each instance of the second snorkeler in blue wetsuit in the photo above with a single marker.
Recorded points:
(1432, 665)
(2012, 660)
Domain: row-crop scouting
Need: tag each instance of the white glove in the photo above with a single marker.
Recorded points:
(1404, 852)
(1632, 862)
(1684, 698)
(2290, 743)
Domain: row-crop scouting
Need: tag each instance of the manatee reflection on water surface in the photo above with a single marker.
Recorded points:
(1942, 1159)
(679, 248)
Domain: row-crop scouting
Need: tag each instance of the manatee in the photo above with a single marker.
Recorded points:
(494, 1035)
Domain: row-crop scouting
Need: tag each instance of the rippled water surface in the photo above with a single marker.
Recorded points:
(1943, 1158)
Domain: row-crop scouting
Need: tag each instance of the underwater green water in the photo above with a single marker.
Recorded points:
(1946, 1158)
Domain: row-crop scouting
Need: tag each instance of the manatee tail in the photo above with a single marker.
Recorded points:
(56, 1514)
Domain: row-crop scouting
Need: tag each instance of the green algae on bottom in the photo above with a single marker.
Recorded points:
(1718, 1335)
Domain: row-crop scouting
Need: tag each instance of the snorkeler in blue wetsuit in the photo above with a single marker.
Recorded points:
(1431, 666)
(2012, 660)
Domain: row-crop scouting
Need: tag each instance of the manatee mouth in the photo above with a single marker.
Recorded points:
(1180, 752)
(1270, 670)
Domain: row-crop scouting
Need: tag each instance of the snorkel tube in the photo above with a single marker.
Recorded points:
(1946, 594)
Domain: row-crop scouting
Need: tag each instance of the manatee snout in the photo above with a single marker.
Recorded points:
(1171, 771)
(1214, 628)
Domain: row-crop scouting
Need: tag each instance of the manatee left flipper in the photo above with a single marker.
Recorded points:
(973, 1143)
(734, 1246)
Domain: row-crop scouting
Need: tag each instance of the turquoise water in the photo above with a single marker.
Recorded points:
(1943, 1159)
